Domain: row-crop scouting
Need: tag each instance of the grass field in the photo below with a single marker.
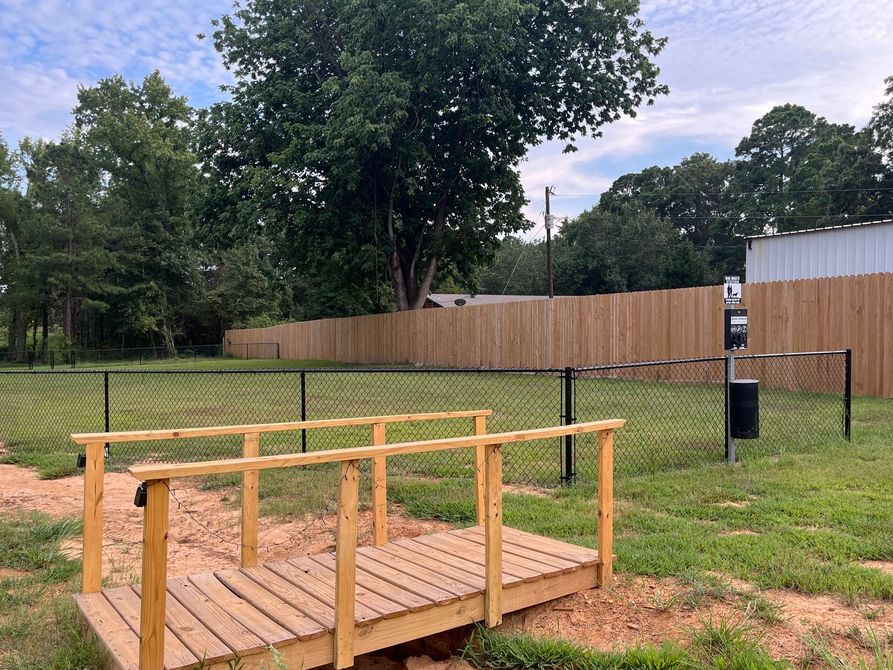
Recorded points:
(670, 424)
(802, 520)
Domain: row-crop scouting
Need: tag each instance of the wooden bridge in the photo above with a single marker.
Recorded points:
(327, 608)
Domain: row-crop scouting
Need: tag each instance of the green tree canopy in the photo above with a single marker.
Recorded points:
(384, 139)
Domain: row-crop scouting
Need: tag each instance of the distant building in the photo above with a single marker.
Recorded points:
(853, 249)
(463, 299)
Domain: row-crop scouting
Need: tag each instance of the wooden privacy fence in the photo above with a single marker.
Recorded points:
(156, 479)
(853, 312)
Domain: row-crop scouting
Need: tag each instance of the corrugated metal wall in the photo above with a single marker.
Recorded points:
(835, 252)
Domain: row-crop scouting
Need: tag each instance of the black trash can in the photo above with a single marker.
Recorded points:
(744, 408)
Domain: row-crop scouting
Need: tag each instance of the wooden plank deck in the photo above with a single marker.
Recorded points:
(405, 589)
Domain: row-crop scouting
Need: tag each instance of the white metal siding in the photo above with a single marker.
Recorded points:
(821, 253)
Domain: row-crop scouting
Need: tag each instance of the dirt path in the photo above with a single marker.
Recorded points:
(204, 535)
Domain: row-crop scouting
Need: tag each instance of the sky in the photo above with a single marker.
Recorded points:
(727, 63)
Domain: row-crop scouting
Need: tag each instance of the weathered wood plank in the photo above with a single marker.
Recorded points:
(127, 603)
(122, 644)
(249, 590)
(493, 551)
(244, 612)
(198, 638)
(406, 582)
(437, 576)
(154, 581)
(94, 483)
(480, 428)
(250, 449)
(451, 558)
(163, 471)
(605, 569)
(379, 489)
(546, 545)
(526, 552)
(321, 612)
(319, 582)
(458, 579)
(475, 553)
(346, 564)
(374, 584)
(241, 429)
(216, 618)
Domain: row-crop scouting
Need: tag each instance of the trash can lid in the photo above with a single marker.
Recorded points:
(745, 381)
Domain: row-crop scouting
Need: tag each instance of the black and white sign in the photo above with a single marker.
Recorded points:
(731, 291)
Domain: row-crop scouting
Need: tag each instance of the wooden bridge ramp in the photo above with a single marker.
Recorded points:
(405, 590)
(327, 608)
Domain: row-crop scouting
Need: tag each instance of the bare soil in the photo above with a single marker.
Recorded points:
(204, 535)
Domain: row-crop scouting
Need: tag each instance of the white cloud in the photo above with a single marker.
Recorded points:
(49, 47)
(727, 63)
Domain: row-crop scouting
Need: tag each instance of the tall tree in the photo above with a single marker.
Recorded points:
(779, 176)
(140, 136)
(389, 134)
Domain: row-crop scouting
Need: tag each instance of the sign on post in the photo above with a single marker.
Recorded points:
(731, 291)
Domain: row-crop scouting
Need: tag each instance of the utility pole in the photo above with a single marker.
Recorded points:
(549, 221)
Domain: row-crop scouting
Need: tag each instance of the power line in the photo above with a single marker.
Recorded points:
(879, 189)
(521, 255)
(741, 217)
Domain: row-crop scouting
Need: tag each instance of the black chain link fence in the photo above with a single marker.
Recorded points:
(93, 358)
(674, 411)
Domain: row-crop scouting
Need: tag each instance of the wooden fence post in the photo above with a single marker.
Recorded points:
(346, 564)
(480, 428)
(250, 479)
(94, 476)
(153, 601)
(605, 570)
(493, 535)
(379, 489)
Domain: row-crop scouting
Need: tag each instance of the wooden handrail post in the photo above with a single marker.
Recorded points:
(94, 476)
(250, 448)
(346, 564)
(153, 601)
(605, 570)
(379, 489)
(480, 428)
(493, 535)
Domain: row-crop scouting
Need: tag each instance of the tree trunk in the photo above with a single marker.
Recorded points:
(20, 326)
(408, 290)
(46, 334)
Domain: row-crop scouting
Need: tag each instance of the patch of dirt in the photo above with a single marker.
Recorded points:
(643, 610)
(883, 566)
(12, 573)
(204, 535)
(526, 490)
(203, 530)
(732, 503)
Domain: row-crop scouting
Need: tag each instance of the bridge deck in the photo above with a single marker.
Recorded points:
(406, 589)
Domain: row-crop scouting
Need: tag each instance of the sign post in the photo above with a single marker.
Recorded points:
(735, 337)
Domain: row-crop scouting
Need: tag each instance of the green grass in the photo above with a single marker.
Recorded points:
(713, 646)
(669, 424)
(801, 520)
(39, 629)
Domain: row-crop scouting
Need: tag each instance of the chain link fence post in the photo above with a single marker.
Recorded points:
(108, 423)
(303, 410)
(848, 395)
(569, 416)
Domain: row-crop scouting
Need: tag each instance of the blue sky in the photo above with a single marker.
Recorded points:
(727, 63)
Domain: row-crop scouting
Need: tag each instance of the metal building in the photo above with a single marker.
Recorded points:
(853, 249)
